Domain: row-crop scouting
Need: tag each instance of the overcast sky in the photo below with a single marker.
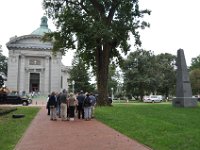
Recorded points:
(174, 24)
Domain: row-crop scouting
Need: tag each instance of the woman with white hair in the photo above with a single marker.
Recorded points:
(71, 103)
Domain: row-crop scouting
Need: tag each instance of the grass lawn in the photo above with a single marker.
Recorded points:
(11, 130)
(159, 126)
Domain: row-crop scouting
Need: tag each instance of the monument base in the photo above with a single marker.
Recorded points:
(184, 102)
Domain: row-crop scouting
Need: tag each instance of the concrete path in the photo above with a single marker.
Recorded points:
(44, 134)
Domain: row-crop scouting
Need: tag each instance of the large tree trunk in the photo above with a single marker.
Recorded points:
(102, 57)
(102, 52)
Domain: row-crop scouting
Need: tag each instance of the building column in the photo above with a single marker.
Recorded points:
(47, 76)
(12, 79)
(22, 73)
(56, 73)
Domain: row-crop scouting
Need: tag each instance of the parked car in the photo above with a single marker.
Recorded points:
(110, 100)
(153, 98)
(10, 98)
(198, 97)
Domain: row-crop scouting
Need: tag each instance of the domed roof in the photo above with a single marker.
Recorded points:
(43, 27)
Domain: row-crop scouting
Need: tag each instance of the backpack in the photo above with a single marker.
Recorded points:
(87, 101)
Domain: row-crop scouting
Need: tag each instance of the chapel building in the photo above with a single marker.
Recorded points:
(32, 67)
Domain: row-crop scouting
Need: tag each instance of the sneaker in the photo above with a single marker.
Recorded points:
(71, 119)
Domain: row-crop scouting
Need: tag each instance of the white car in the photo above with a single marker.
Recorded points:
(153, 98)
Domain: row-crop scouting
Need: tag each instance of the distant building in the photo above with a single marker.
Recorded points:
(32, 67)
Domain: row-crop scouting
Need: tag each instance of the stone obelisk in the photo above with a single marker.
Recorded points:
(183, 86)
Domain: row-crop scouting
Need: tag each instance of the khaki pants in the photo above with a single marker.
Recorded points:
(52, 113)
(63, 111)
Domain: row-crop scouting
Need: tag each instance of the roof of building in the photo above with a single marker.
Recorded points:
(43, 27)
(33, 40)
(28, 42)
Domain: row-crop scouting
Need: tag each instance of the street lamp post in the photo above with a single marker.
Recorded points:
(73, 82)
(112, 93)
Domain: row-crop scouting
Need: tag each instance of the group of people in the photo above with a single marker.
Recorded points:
(65, 106)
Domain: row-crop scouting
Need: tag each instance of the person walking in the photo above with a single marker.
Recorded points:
(87, 107)
(63, 105)
(58, 104)
(93, 104)
(52, 105)
(80, 109)
(71, 103)
(47, 105)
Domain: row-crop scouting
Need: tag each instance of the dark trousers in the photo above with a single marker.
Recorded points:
(71, 111)
(68, 112)
(80, 111)
(48, 113)
(48, 109)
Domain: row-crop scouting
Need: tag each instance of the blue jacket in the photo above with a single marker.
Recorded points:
(52, 101)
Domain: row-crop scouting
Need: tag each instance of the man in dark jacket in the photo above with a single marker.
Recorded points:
(63, 105)
(52, 105)
(80, 99)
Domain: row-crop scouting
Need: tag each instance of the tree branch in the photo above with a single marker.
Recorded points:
(78, 4)
(99, 7)
(83, 6)
(112, 10)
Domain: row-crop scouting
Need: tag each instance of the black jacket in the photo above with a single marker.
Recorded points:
(80, 99)
(87, 102)
(52, 101)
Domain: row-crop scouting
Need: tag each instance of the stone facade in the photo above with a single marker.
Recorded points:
(32, 65)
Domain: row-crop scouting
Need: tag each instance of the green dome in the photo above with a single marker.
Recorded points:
(43, 27)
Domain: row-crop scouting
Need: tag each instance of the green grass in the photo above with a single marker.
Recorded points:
(159, 126)
(11, 130)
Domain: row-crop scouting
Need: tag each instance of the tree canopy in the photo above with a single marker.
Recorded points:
(3, 68)
(80, 74)
(195, 81)
(167, 73)
(195, 64)
(98, 29)
(146, 73)
(138, 72)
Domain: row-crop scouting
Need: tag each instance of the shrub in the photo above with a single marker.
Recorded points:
(6, 110)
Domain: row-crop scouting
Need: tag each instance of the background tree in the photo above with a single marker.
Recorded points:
(195, 75)
(3, 67)
(166, 66)
(195, 81)
(138, 72)
(146, 73)
(80, 74)
(112, 79)
(195, 64)
(99, 28)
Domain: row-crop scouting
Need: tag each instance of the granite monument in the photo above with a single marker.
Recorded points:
(183, 86)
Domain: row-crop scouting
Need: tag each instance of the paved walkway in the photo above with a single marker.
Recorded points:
(44, 134)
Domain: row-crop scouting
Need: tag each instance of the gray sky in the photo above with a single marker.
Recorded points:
(174, 24)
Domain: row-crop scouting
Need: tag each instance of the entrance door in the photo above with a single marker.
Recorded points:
(34, 82)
